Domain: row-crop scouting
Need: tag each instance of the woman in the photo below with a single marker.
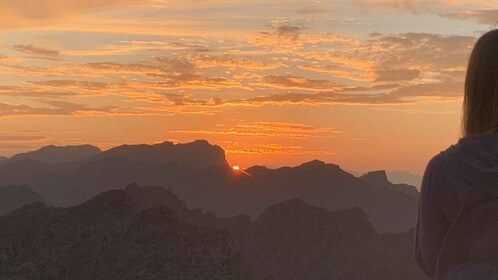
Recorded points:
(464, 177)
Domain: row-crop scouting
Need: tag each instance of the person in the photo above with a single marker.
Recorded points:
(466, 173)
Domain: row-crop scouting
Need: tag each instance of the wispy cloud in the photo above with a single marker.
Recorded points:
(267, 130)
(35, 50)
(489, 17)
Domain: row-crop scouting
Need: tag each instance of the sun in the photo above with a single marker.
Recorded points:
(236, 167)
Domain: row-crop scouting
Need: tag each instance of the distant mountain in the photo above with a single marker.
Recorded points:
(200, 175)
(13, 197)
(327, 185)
(54, 154)
(3, 159)
(406, 177)
(397, 177)
(379, 179)
(197, 155)
(148, 233)
(109, 238)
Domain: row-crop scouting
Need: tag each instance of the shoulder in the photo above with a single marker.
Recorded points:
(440, 160)
(436, 162)
(440, 170)
(437, 168)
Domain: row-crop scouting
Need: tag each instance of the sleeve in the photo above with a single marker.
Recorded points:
(431, 224)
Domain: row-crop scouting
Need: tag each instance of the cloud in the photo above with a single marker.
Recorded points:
(267, 130)
(20, 138)
(396, 75)
(206, 61)
(311, 11)
(54, 108)
(489, 17)
(417, 7)
(72, 84)
(293, 82)
(235, 148)
(175, 64)
(283, 37)
(383, 69)
(341, 71)
(34, 50)
(323, 98)
(26, 13)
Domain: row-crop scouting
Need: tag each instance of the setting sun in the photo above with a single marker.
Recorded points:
(236, 168)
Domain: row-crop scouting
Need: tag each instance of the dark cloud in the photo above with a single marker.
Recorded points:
(21, 138)
(289, 32)
(53, 108)
(290, 81)
(34, 50)
(396, 75)
(87, 85)
(312, 11)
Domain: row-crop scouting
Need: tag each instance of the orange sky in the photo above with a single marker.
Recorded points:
(366, 84)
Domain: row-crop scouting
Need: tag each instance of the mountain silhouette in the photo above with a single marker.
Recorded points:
(3, 159)
(199, 174)
(196, 155)
(147, 197)
(54, 154)
(13, 197)
(294, 240)
(327, 185)
(108, 237)
(406, 177)
(379, 178)
(149, 233)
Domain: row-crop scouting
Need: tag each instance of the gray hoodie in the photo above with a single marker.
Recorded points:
(451, 179)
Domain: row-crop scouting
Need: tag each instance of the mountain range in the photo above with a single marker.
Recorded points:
(149, 233)
(13, 197)
(200, 175)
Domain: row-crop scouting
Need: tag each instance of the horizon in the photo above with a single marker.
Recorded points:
(274, 84)
(352, 171)
(393, 176)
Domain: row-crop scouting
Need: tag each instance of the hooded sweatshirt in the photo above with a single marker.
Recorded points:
(452, 179)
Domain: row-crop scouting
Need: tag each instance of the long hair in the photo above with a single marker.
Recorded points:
(480, 101)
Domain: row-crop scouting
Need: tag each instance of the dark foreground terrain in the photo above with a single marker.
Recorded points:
(148, 233)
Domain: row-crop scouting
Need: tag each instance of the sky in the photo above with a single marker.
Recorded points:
(365, 84)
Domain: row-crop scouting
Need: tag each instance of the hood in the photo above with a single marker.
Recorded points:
(475, 160)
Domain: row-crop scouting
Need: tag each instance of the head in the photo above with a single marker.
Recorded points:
(480, 103)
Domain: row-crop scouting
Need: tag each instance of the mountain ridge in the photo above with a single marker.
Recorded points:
(55, 154)
(199, 173)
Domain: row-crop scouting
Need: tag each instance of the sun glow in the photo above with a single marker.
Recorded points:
(236, 168)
